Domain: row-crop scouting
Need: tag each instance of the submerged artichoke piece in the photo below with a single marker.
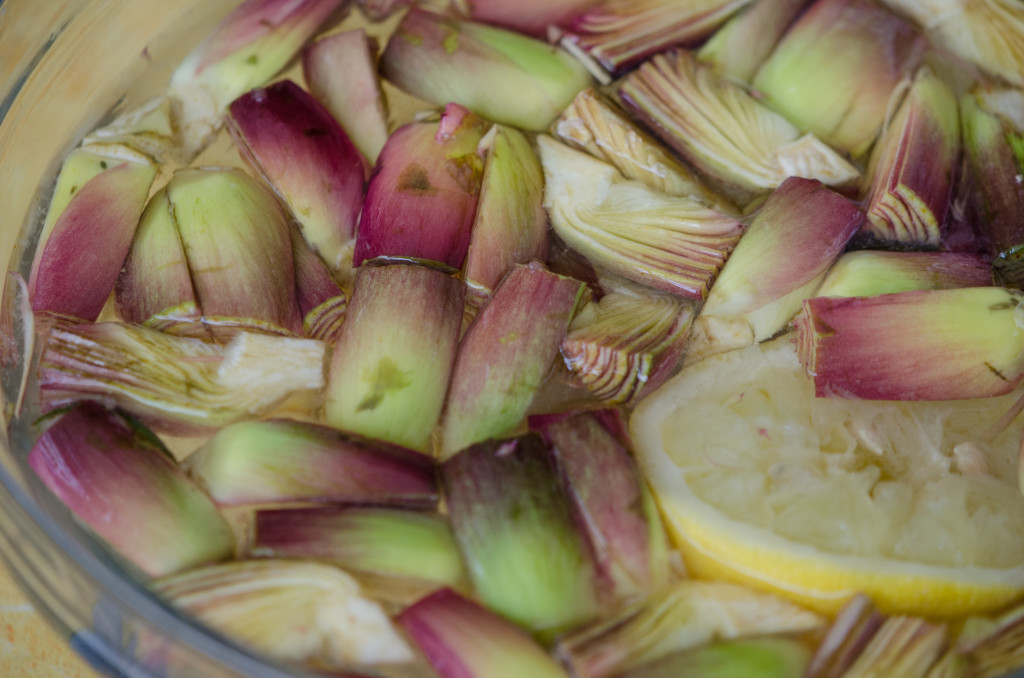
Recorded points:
(780, 261)
(621, 33)
(989, 33)
(352, 94)
(626, 345)
(912, 165)
(850, 632)
(836, 68)
(391, 365)
(290, 610)
(612, 502)
(675, 244)
(500, 75)
(862, 642)
(176, 383)
(594, 124)
(739, 47)
(506, 354)
(119, 480)
(514, 526)
(993, 135)
(237, 250)
(299, 148)
(321, 301)
(155, 286)
(535, 17)
(88, 232)
(511, 226)
(379, 541)
(952, 665)
(422, 196)
(866, 273)
(689, 614)
(247, 48)
(902, 646)
(461, 639)
(733, 138)
(761, 657)
(1005, 102)
(280, 462)
(379, 10)
(968, 343)
(993, 646)
(149, 130)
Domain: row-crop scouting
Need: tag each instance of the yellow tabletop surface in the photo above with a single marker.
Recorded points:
(28, 646)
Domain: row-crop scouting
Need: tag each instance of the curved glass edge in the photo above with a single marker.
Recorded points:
(117, 625)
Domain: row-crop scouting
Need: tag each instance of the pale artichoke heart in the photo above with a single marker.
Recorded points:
(299, 367)
(738, 137)
(200, 117)
(591, 194)
(811, 158)
(177, 381)
(291, 610)
(633, 155)
(634, 204)
(748, 147)
(670, 243)
(989, 33)
(596, 126)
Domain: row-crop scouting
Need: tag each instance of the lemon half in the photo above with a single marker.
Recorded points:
(817, 499)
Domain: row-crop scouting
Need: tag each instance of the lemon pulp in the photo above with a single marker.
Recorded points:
(820, 498)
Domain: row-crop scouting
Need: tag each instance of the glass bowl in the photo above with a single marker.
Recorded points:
(67, 66)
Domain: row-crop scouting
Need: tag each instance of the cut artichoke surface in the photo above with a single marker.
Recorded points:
(675, 244)
(596, 125)
(905, 204)
(291, 610)
(624, 346)
(490, 371)
(724, 131)
(621, 33)
(988, 33)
